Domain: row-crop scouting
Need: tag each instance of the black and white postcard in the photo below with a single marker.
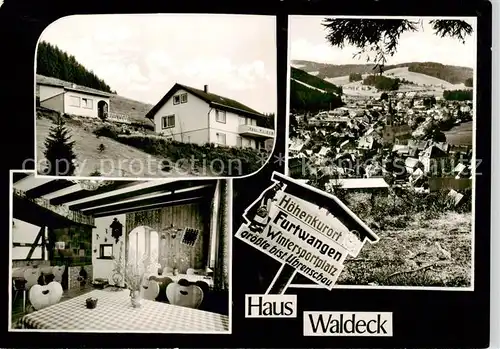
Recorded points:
(119, 256)
(391, 131)
(182, 96)
(302, 174)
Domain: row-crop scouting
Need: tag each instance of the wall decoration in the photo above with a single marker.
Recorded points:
(190, 236)
(116, 229)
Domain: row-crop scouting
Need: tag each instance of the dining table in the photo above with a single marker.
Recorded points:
(114, 312)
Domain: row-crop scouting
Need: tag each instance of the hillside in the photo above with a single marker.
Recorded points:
(420, 83)
(53, 62)
(135, 110)
(117, 160)
(310, 93)
(448, 73)
(314, 81)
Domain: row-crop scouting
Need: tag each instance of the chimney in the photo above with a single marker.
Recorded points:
(205, 88)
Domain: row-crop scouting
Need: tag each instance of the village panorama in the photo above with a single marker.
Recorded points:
(395, 144)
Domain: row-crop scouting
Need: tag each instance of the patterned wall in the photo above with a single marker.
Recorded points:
(78, 245)
(194, 216)
(74, 273)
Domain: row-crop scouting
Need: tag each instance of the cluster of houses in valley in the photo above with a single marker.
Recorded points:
(374, 145)
(184, 114)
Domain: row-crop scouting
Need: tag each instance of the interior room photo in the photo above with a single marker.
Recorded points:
(132, 256)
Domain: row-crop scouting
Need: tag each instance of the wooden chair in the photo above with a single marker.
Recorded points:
(31, 276)
(19, 286)
(43, 296)
(150, 289)
(190, 296)
(203, 285)
(163, 282)
(58, 272)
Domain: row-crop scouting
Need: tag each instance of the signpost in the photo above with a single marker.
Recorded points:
(309, 231)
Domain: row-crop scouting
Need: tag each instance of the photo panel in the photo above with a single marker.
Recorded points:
(155, 95)
(120, 256)
(390, 131)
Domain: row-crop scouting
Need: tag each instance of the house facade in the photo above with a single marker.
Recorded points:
(190, 115)
(67, 98)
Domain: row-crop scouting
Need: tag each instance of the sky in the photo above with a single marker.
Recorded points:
(143, 56)
(307, 42)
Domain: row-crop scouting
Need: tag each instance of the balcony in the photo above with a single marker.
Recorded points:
(255, 131)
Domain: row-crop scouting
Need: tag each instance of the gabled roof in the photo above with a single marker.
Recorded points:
(49, 81)
(433, 152)
(411, 162)
(212, 99)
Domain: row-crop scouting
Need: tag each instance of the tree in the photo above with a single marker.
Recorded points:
(267, 121)
(59, 150)
(355, 77)
(384, 96)
(469, 82)
(293, 126)
(379, 38)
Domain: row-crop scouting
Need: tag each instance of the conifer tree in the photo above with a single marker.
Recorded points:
(59, 150)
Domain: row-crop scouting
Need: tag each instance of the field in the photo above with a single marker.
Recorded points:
(460, 134)
(423, 242)
(435, 85)
(117, 160)
(428, 252)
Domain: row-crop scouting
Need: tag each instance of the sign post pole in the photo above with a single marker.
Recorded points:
(283, 278)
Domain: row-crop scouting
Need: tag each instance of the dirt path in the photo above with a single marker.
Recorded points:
(117, 159)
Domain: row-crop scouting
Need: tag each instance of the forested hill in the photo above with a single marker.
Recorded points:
(308, 93)
(314, 81)
(53, 62)
(450, 73)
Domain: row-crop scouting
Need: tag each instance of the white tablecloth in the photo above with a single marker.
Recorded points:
(114, 312)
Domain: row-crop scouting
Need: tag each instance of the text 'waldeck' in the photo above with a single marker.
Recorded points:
(376, 324)
(270, 306)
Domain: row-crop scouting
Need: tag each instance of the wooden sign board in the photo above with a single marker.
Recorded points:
(307, 229)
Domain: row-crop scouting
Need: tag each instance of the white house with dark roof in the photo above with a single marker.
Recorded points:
(190, 115)
(68, 98)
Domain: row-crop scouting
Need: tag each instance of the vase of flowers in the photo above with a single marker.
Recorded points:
(136, 298)
(135, 273)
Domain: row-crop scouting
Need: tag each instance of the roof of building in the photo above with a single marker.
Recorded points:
(411, 162)
(296, 146)
(323, 151)
(361, 183)
(49, 81)
(433, 152)
(365, 142)
(210, 98)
